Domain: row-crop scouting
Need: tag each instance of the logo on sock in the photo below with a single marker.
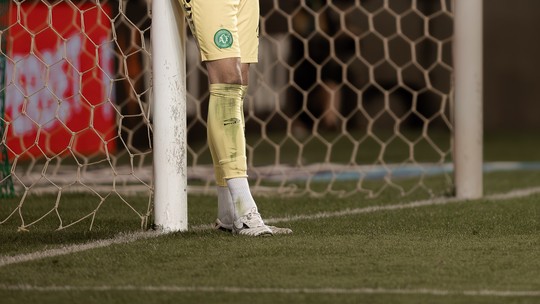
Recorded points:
(231, 121)
(223, 39)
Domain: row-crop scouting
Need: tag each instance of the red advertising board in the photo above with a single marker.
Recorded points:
(59, 80)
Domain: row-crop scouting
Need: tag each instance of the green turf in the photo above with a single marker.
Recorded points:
(457, 247)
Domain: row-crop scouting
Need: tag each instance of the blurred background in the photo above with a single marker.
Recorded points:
(512, 59)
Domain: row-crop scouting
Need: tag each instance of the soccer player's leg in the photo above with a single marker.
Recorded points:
(226, 208)
(226, 134)
(217, 27)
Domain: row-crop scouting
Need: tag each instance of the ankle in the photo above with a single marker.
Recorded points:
(242, 199)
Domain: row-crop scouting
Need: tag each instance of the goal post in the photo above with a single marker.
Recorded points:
(468, 103)
(169, 116)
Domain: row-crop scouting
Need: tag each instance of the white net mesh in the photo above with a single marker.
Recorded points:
(348, 97)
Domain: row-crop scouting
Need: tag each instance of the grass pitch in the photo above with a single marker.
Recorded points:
(384, 250)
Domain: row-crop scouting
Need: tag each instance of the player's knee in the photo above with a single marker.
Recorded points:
(231, 78)
(226, 71)
(226, 78)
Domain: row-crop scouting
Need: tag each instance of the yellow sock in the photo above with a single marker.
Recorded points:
(226, 138)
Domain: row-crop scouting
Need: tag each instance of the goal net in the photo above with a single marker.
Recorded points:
(349, 97)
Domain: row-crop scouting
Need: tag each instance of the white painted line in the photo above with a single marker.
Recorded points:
(231, 289)
(431, 202)
(120, 239)
(131, 237)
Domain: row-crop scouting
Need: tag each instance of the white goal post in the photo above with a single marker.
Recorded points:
(468, 102)
(170, 140)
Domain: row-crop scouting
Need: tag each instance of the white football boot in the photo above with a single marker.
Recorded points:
(251, 224)
(219, 225)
